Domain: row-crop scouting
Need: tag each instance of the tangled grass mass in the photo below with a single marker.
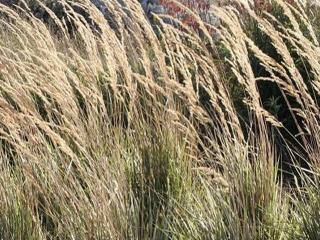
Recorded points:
(119, 122)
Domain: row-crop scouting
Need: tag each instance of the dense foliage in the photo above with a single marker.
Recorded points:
(119, 121)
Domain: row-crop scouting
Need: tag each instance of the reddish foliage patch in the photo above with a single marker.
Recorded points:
(198, 6)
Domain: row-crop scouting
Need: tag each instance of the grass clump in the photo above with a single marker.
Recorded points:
(115, 126)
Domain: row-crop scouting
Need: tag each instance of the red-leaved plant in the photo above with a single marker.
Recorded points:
(200, 7)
